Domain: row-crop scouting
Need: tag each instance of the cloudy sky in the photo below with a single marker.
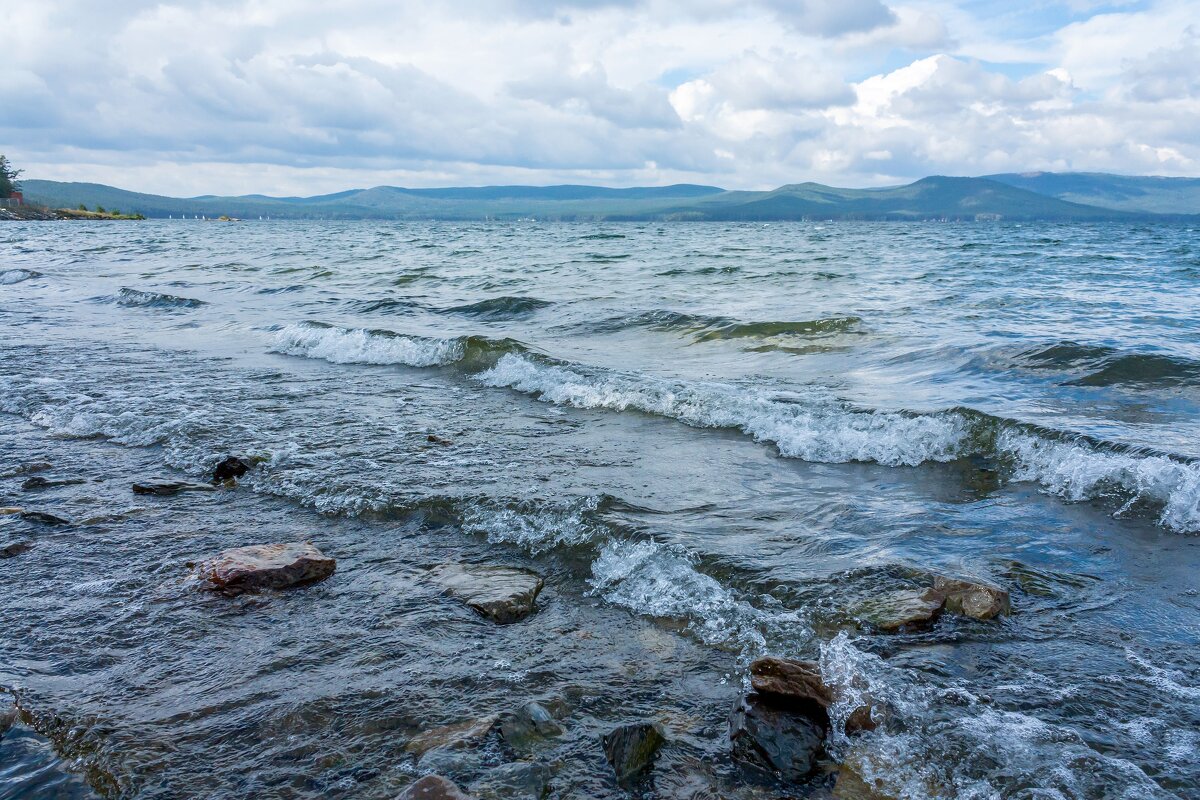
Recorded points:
(300, 97)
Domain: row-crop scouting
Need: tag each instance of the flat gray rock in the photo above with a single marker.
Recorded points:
(502, 594)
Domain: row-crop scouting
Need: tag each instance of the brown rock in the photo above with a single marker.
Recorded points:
(800, 682)
(433, 787)
(791, 679)
(266, 566)
(907, 609)
(851, 786)
(14, 549)
(502, 594)
(457, 735)
(976, 600)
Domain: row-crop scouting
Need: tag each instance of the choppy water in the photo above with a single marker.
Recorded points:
(713, 440)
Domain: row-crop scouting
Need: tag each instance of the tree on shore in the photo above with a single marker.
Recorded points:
(8, 178)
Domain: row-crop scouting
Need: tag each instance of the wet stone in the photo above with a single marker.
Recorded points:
(799, 685)
(632, 749)
(433, 787)
(901, 611)
(519, 781)
(786, 678)
(231, 468)
(528, 724)
(266, 566)
(460, 734)
(975, 600)
(39, 482)
(14, 549)
(775, 741)
(43, 518)
(169, 488)
(502, 594)
(8, 715)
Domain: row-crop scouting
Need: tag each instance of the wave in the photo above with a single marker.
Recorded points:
(136, 298)
(11, 276)
(379, 346)
(500, 308)
(390, 305)
(710, 328)
(816, 427)
(1108, 366)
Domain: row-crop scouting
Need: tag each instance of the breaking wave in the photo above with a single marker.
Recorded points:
(819, 428)
(378, 346)
(136, 298)
(11, 276)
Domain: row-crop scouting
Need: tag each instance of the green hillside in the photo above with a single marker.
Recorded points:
(1139, 193)
(930, 198)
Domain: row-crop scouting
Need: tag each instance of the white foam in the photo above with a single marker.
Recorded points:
(657, 580)
(11, 276)
(817, 429)
(1078, 472)
(362, 346)
(535, 529)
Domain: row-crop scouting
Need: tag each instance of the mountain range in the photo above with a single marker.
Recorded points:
(1015, 196)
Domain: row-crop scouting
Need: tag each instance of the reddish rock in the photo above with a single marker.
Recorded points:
(791, 679)
(976, 600)
(433, 787)
(800, 682)
(266, 566)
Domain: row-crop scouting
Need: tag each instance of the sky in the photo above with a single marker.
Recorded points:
(292, 97)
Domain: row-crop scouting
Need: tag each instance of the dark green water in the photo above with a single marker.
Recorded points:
(712, 440)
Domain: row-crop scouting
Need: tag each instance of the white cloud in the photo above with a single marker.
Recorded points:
(296, 96)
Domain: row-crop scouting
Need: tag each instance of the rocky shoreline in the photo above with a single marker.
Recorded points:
(777, 733)
(29, 213)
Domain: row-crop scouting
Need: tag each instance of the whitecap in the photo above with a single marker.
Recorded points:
(363, 346)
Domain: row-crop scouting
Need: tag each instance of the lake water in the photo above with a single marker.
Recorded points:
(713, 441)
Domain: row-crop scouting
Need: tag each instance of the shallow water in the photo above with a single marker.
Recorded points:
(713, 440)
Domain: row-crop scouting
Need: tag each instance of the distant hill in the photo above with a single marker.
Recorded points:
(1138, 193)
(935, 197)
(930, 198)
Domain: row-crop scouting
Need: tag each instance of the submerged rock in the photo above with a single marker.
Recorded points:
(26, 468)
(8, 716)
(11, 510)
(787, 681)
(519, 780)
(522, 727)
(904, 610)
(38, 482)
(852, 786)
(14, 549)
(976, 600)
(433, 438)
(43, 518)
(266, 566)
(460, 734)
(433, 787)
(631, 749)
(168, 488)
(231, 468)
(776, 741)
(502, 594)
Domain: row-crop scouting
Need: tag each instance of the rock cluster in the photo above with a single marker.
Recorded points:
(912, 609)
